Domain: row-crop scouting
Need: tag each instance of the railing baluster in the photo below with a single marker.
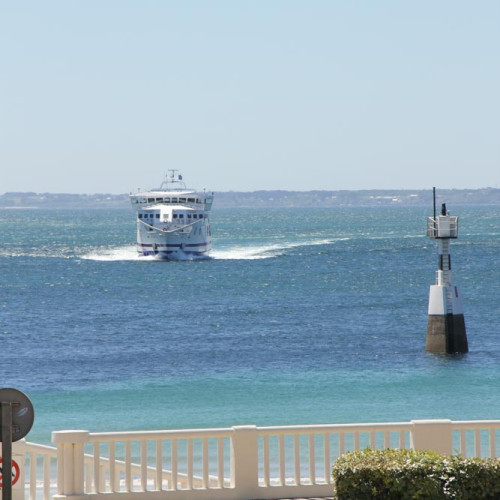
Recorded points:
(341, 443)
(46, 477)
(312, 460)
(144, 465)
(159, 464)
(266, 459)
(326, 457)
(477, 439)
(220, 465)
(175, 458)
(205, 481)
(282, 458)
(493, 448)
(463, 443)
(296, 457)
(97, 465)
(190, 463)
(88, 477)
(356, 440)
(387, 439)
(112, 470)
(128, 467)
(33, 461)
(401, 440)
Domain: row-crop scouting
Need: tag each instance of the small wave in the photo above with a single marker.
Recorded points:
(38, 253)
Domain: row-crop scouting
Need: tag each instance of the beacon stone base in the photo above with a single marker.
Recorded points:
(446, 334)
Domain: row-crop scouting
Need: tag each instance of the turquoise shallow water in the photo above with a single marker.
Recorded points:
(300, 316)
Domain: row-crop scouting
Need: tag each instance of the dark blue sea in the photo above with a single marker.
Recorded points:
(299, 316)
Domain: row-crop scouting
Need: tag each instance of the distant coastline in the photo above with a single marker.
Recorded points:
(267, 199)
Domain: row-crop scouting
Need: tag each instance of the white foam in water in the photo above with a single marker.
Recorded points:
(114, 254)
(262, 251)
(246, 253)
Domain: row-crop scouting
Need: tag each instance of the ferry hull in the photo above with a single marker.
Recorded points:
(173, 251)
(173, 246)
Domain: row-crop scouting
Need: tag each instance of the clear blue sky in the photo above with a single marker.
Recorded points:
(106, 95)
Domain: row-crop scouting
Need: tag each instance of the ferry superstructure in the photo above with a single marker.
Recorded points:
(173, 222)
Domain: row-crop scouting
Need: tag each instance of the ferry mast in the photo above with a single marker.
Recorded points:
(446, 325)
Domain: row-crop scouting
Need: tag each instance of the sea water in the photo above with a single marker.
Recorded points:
(299, 316)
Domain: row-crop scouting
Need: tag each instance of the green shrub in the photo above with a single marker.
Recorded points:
(414, 475)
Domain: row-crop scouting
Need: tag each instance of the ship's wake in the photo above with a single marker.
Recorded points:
(264, 251)
(233, 252)
(129, 253)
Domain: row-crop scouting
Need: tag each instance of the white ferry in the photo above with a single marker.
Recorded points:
(173, 221)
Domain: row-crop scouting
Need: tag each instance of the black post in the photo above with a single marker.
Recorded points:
(434, 216)
(434, 199)
(6, 450)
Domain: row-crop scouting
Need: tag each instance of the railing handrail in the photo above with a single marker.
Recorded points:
(159, 434)
(474, 424)
(321, 428)
(43, 449)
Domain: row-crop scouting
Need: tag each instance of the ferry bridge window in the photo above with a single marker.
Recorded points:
(151, 200)
(159, 199)
(167, 200)
(181, 216)
(189, 216)
(157, 216)
(165, 217)
(182, 200)
(191, 200)
(140, 216)
(195, 216)
(175, 216)
(174, 200)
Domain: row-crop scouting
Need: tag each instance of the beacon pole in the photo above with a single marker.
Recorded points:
(6, 450)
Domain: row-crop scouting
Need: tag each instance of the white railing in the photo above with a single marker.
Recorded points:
(231, 463)
(38, 471)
